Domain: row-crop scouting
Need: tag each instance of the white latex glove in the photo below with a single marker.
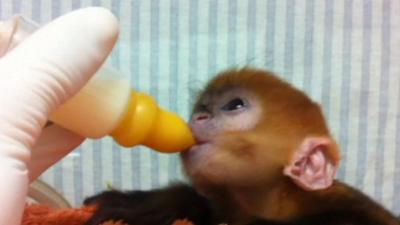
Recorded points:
(37, 76)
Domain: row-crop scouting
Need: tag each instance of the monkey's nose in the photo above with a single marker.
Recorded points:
(200, 117)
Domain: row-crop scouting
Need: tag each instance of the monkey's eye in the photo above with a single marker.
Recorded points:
(233, 105)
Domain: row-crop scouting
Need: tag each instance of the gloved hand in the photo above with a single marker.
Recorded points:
(38, 75)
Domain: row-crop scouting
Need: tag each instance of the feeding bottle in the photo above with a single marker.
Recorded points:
(107, 105)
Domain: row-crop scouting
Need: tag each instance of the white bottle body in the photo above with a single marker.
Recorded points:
(97, 109)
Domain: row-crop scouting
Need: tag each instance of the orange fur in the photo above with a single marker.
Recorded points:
(249, 169)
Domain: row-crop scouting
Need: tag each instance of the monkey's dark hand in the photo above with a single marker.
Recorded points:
(117, 199)
(260, 221)
(156, 207)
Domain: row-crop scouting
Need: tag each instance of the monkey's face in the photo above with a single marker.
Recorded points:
(228, 150)
(228, 112)
(248, 125)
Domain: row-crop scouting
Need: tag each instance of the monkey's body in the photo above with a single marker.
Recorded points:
(338, 205)
(264, 157)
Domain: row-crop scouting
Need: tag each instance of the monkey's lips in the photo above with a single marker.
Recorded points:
(201, 143)
(197, 151)
(202, 138)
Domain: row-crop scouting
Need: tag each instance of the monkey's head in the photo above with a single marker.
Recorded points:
(253, 129)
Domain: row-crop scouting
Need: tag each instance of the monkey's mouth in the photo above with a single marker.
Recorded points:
(200, 143)
(200, 140)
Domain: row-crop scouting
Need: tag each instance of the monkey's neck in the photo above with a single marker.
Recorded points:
(286, 201)
(280, 202)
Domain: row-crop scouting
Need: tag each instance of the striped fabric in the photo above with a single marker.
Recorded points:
(344, 53)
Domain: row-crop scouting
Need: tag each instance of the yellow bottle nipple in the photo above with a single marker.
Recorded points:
(147, 124)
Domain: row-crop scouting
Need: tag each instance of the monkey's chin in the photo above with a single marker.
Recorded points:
(198, 161)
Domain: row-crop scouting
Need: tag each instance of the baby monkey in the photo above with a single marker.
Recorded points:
(264, 156)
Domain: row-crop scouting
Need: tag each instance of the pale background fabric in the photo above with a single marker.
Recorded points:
(344, 53)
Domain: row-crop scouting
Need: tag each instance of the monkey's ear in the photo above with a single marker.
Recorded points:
(314, 164)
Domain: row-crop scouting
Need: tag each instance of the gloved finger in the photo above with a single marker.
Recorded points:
(6, 30)
(53, 144)
(14, 31)
(12, 192)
